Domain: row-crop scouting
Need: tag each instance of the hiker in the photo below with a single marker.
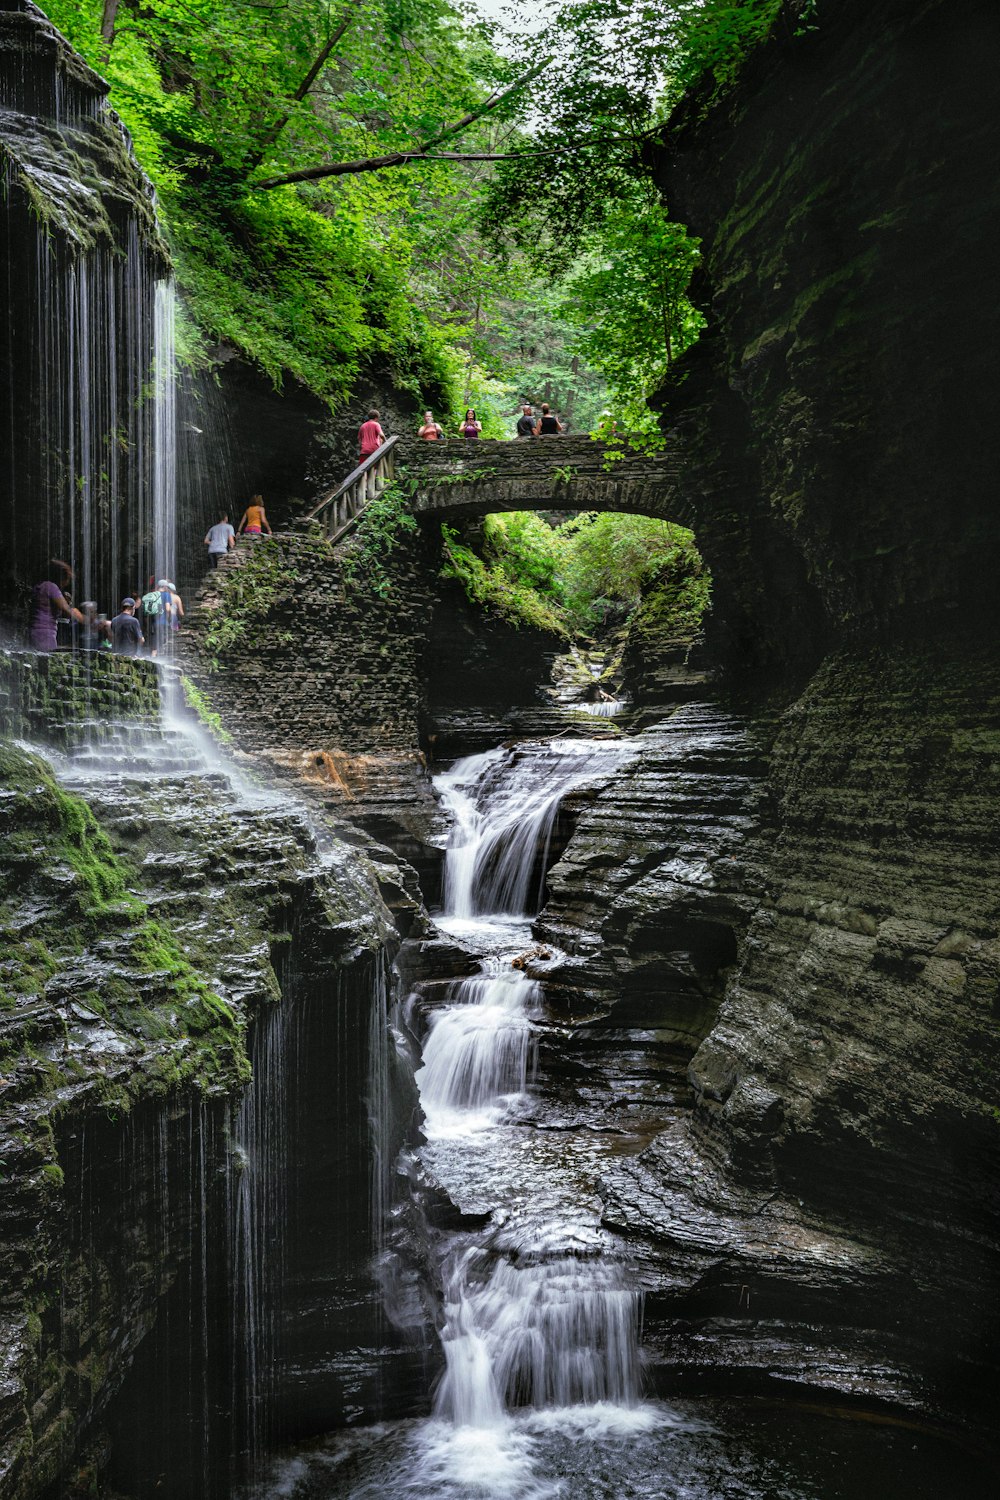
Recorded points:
(126, 632)
(526, 423)
(49, 604)
(548, 423)
(431, 431)
(175, 614)
(93, 633)
(471, 427)
(219, 539)
(254, 520)
(370, 436)
(155, 616)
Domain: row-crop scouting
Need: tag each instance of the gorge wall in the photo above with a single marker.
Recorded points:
(781, 928)
(163, 929)
(802, 904)
(840, 443)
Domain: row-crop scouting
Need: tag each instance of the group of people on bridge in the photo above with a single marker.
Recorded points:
(545, 424)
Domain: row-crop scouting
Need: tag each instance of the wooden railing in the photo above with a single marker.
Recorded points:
(338, 511)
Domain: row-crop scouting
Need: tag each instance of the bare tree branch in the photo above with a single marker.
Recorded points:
(323, 57)
(108, 19)
(419, 153)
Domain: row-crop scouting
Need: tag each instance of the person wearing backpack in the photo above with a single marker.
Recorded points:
(155, 617)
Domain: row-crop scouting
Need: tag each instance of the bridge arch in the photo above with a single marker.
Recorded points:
(485, 477)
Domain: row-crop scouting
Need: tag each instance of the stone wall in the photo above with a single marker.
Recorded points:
(68, 697)
(316, 664)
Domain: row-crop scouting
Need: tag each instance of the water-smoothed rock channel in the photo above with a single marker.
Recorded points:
(520, 1256)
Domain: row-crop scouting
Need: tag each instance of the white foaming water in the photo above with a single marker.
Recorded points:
(164, 476)
(607, 708)
(538, 1316)
(542, 1331)
(480, 1051)
(503, 806)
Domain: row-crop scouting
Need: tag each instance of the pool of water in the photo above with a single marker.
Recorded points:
(687, 1450)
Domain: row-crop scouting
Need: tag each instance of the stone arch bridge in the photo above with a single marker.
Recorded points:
(459, 478)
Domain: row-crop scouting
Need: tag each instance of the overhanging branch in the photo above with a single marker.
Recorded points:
(423, 152)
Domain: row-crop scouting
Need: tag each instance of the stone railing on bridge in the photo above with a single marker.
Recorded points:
(552, 473)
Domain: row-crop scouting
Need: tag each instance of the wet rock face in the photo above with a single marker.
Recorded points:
(159, 934)
(839, 419)
(829, 1211)
(66, 697)
(782, 925)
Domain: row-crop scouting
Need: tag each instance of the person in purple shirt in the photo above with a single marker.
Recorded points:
(48, 603)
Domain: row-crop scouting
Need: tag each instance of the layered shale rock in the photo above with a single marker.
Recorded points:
(829, 1212)
(164, 926)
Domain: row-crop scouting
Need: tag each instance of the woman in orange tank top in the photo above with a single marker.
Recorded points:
(254, 520)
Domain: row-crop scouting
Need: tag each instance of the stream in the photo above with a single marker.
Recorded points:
(543, 1391)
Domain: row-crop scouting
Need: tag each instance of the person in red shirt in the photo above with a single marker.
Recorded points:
(370, 435)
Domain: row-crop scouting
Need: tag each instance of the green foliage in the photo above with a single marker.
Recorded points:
(629, 298)
(324, 280)
(614, 563)
(247, 597)
(591, 210)
(199, 703)
(377, 537)
(586, 575)
(675, 601)
(494, 586)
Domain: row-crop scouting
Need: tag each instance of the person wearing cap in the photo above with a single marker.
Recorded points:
(172, 603)
(155, 607)
(126, 635)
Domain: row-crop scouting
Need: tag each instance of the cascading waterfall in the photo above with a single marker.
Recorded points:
(504, 810)
(538, 1314)
(606, 708)
(481, 1048)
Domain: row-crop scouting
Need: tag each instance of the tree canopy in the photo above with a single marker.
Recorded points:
(403, 186)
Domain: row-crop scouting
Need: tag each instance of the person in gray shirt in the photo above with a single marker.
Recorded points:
(221, 538)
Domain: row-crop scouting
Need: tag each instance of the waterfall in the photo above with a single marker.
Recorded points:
(86, 351)
(538, 1313)
(481, 1048)
(164, 456)
(606, 708)
(503, 808)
